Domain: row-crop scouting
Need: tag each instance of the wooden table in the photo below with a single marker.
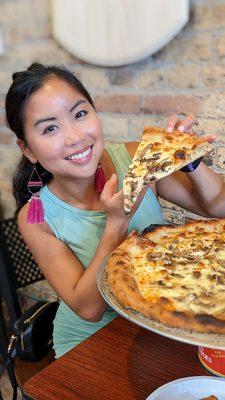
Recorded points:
(121, 361)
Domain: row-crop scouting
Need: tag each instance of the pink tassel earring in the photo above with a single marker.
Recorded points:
(99, 179)
(35, 213)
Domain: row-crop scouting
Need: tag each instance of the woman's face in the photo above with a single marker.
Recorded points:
(62, 130)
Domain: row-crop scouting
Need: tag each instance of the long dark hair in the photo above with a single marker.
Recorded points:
(24, 84)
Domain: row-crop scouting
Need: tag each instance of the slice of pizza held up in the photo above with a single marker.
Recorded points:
(210, 398)
(174, 275)
(159, 154)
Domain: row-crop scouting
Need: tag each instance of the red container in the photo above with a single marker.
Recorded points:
(213, 360)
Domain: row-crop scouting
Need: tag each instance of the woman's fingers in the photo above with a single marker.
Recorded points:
(110, 188)
(210, 138)
(187, 124)
(174, 123)
(171, 123)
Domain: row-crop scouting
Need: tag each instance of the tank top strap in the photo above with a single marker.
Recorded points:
(120, 159)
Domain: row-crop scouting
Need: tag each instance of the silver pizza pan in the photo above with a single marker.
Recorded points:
(215, 341)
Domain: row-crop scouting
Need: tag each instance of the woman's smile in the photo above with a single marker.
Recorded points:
(82, 156)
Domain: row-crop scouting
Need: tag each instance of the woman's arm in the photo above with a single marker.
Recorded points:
(201, 191)
(74, 284)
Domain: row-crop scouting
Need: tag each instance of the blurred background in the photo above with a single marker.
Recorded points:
(186, 76)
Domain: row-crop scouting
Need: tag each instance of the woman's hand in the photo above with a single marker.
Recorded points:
(185, 125)
(113, 204)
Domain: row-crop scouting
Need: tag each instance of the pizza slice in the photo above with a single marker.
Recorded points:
(159, 154)
(210, 398)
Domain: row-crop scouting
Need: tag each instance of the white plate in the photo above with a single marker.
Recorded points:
(191, 388)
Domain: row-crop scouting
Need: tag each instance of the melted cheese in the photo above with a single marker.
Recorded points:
(187, 269)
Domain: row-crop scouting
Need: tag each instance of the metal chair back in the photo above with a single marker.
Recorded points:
(17, 269)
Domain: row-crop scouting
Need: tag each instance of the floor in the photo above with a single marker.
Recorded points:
(7, 389)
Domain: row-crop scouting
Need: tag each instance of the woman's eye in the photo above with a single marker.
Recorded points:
(80, 114)
(50, 129)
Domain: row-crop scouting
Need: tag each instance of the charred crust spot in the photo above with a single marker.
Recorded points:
(195, 146)
(164, 300)
(178, 314)
(120, 262)
(208, 319)
(181, 154)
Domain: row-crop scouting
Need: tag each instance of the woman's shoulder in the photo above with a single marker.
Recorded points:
(25, 227)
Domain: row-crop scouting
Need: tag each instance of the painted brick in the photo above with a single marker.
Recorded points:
(213, 106)
(5, 77)
(208, 15)
(7, 200)
(44, 51)
(220, 157)
(115, 127)
(122, 103)
(193, 48)
(28, 20)
(169, 76)
(138, 122)
(171, 104)
(6, 136)
(220, 45)
(2, 117)
(93, 78)
(209, 126)
(213, 75)
(9, 156)
(123, 75)
(2, 100)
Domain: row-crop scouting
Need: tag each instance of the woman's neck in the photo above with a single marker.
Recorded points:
(79, 193)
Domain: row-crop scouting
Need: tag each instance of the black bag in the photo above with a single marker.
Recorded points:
(31, 338)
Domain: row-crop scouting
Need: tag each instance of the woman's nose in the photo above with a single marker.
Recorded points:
(73, 136)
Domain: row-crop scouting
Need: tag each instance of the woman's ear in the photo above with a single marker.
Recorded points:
(26, 150)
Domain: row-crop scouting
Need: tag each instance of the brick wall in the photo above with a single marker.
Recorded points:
(187, 76)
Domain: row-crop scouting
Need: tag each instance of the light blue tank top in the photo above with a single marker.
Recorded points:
(81, 230)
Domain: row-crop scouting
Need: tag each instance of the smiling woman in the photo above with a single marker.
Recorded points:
(83, 218)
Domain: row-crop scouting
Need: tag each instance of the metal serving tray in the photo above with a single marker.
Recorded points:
(215, 341)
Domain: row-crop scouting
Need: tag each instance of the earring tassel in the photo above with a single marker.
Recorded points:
(35, 213)
(99, 179)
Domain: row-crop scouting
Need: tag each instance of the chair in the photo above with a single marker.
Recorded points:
(17, 269)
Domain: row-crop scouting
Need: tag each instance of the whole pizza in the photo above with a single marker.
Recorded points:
(174, 275)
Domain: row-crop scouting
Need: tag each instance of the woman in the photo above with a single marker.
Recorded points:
(61, 139)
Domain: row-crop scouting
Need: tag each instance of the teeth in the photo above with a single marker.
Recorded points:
(79, 155)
